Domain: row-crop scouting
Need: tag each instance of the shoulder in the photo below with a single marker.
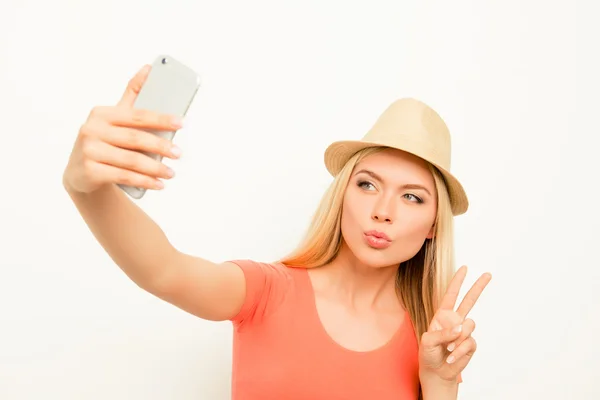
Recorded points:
(267, 286)
(275, 272)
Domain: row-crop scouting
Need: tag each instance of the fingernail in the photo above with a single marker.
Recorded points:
(159, 184)
(450, 359)
(457, 329)
(176, 151)
(170, 172)
(451, 346)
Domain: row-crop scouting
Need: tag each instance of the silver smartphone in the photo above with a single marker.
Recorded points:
(170, 88)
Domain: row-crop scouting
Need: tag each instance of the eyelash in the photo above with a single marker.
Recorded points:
(362, 183)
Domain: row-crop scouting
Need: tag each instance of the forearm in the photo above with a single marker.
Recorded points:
(129, 236)
(438, 389)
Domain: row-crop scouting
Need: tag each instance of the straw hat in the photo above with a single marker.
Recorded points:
(412, 126)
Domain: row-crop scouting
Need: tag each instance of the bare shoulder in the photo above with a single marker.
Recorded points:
(218, 291)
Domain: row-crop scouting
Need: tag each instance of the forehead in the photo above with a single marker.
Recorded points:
(396, 166)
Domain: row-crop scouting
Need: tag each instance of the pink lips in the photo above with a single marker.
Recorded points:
(377, 240)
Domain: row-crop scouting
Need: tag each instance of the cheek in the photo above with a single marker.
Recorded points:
(355, 216)
(416, 225)
(349, 216)
(411, 235)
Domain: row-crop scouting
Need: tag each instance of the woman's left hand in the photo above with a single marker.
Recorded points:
(447, 347)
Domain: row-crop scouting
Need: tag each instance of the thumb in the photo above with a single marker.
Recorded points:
(134, 86)
(440, 337)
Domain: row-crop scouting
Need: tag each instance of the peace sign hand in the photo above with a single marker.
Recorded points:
(447, 347)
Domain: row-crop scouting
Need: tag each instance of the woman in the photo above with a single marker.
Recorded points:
(363, 309)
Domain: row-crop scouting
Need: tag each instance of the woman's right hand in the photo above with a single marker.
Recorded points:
(107, 147)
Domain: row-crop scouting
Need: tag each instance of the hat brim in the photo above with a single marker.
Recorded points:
(338, 154)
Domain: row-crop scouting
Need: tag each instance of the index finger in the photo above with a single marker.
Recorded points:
(449, 300)
(138, 118)
(473, 294)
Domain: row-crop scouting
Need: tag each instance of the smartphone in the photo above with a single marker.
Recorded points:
(170, 88)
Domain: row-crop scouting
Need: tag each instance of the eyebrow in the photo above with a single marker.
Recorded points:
(406, 186)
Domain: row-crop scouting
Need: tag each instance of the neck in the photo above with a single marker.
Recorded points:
(360, 286)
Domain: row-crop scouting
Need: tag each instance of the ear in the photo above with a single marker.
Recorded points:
(431, 233)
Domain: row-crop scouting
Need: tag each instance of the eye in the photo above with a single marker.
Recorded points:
(365, 185)
(412, 197)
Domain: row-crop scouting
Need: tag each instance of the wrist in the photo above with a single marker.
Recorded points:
(432, 379)
(435, 387)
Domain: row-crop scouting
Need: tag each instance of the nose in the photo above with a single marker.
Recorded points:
(382, 211)
(382, 217)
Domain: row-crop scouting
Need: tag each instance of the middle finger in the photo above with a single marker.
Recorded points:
(473, 294)
(139, 118)
(130, 160)
(134, 139)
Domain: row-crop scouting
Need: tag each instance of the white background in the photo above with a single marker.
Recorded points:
(516, 81)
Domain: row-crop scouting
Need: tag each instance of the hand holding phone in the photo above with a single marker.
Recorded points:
(125, 144)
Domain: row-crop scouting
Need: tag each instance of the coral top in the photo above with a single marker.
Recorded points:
(281, 351)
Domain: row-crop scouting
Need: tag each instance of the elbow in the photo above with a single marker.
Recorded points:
(161, 281)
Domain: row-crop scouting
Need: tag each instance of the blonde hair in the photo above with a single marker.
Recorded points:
(422, 280)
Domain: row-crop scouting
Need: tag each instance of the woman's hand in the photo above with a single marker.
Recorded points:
(107, 148)
(447, 347)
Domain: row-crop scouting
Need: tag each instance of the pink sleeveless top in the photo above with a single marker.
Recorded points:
(281, 351)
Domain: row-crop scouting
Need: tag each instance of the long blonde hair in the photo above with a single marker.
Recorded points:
(421, 281)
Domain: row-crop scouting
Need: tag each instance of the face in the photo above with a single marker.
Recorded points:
(389, 208)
